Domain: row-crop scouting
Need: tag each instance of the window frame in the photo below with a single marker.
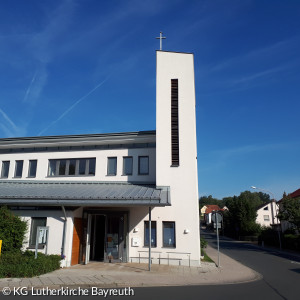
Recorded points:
(2, 168)
(146, 234)
(163, 234)
(29, 168)
(266, 217)
(110, 158)
(89, 168)
(124, 159)
(139, 166)
(17, 162)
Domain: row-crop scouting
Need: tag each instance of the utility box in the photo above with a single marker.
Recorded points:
(135, 242)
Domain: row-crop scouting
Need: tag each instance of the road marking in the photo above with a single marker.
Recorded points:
(295, 262)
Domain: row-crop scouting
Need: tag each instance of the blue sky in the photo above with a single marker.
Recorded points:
(88, 66)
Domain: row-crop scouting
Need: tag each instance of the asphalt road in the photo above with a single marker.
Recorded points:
(281, 272)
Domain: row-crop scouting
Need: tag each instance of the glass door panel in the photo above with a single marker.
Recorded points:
(112, 238)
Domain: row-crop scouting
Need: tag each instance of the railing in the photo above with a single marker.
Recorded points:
(163, 258)
(179, 259)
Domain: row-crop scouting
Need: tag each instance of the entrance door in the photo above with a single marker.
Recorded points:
(106, 237)
(77, 241)
(97, 237)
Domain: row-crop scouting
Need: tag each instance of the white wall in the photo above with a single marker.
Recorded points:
(183, 180)
(260, 219)
(55, 221)
(101, 164)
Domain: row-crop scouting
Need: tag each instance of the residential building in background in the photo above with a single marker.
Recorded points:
(267, 214)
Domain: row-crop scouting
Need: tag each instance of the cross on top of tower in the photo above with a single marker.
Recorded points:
(161, 37)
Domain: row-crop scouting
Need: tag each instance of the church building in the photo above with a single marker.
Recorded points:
(113, 197)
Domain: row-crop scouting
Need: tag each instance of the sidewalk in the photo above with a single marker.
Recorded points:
(137, 275)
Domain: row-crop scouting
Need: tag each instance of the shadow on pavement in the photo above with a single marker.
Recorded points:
(230, 244)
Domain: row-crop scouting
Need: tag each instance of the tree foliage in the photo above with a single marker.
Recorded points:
(12, 230)
(290, 211)
(209, 200)
(240, 219)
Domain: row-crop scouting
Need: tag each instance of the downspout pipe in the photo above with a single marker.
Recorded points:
(64, 233)
(149, 264)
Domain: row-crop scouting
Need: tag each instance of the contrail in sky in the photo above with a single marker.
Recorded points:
(11, 123)
(73, 105)
(29, 87)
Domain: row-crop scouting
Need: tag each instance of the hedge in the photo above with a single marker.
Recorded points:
(20, 265)
(12, 230)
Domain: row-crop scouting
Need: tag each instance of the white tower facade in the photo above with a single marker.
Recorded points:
(176, 146)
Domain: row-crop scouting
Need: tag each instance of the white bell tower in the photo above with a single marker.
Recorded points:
(176, 145)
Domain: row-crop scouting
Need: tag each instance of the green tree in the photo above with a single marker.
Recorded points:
(290, 211)
(209, 200)
(12, 230)
(265, 198)
(240, 219)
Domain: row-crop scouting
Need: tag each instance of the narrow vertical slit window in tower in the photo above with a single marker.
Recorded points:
(174, 123)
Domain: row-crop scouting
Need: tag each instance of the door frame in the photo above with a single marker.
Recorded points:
(122, 252)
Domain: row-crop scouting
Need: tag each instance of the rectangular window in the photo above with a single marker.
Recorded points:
(5, 169)
(266, 218)
(19, 168)
(127, 165)
(52, 167)
(72, 167)
(62, 167)
(153, 234)
(92, 166)
(32, 168)
(82, 167)
(112, 166)
(143, 165)
(174, 123)
(169, 234)
(35, 223)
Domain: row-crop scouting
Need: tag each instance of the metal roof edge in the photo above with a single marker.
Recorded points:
(80, 138)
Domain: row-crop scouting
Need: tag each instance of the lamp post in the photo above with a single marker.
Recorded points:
(263, 190)
(217, 219)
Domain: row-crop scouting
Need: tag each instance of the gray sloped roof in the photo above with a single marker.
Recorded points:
(81, 193)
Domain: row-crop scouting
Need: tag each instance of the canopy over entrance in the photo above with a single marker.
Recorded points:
(67, 193)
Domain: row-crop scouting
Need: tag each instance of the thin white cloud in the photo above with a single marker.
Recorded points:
(9, 128)
(29, 87)
(244, 150)
(220, 158)
(73, 105)
(8, 120)
(42, 47)
(261, 74)
(279, 47)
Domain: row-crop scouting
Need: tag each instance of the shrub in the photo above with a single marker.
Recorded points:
(12, 230)
(17, 264)
(269, 236)
(291, 241)
(203, 242)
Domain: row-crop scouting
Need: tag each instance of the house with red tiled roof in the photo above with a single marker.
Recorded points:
(295, 194)
(208, 212)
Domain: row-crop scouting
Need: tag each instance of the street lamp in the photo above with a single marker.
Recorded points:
(263, 190)
(256, 188)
